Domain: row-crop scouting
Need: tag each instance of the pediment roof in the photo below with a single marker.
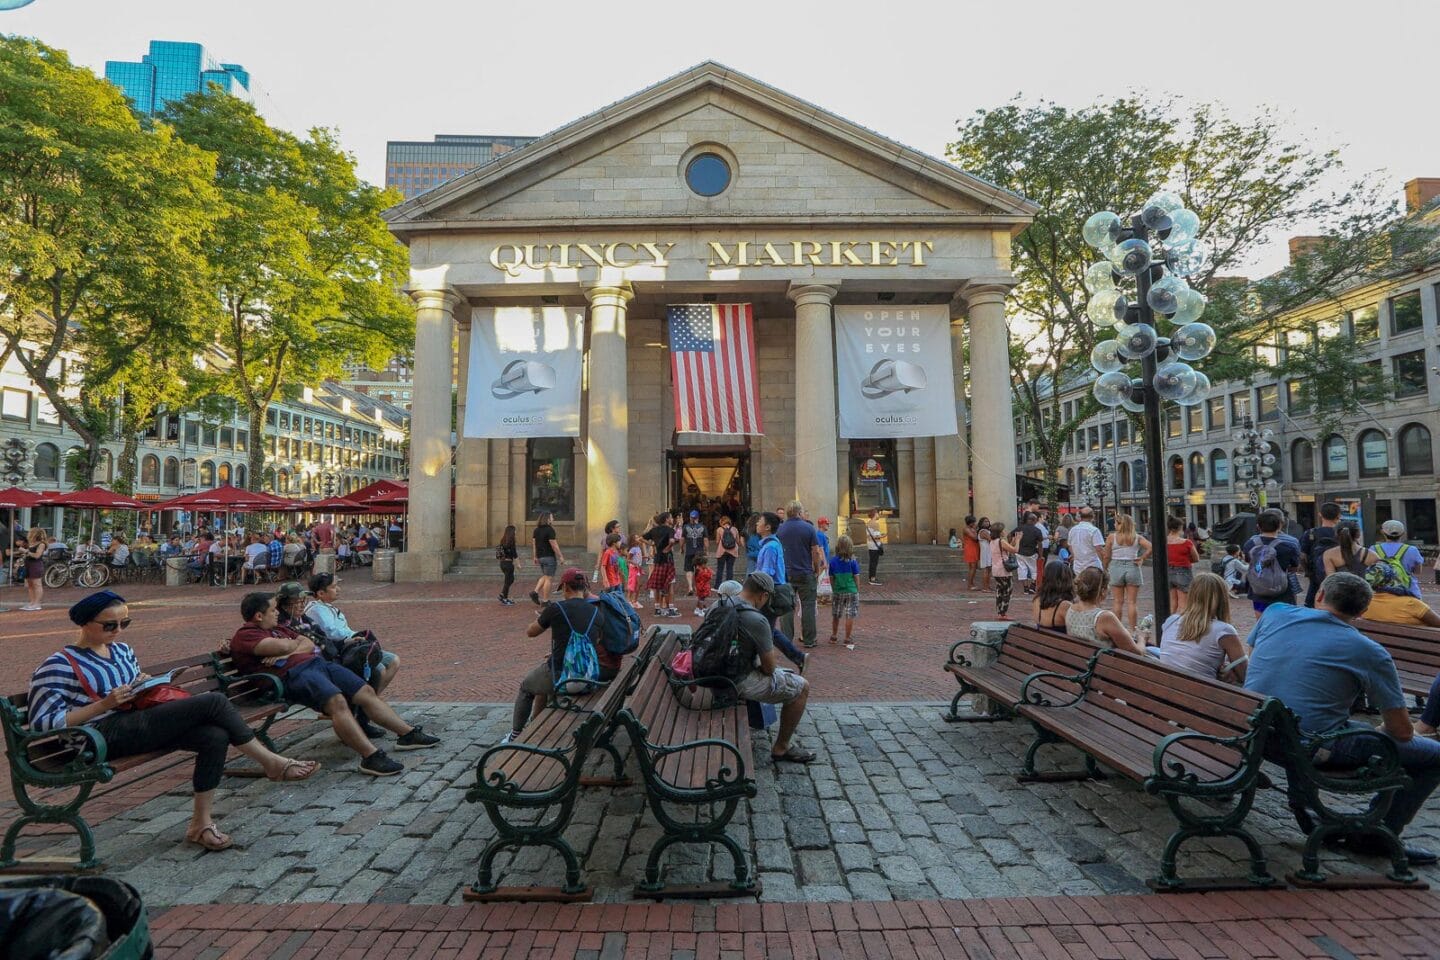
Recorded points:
(900, 182)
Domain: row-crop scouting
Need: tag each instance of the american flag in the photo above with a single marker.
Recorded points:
(712, 365)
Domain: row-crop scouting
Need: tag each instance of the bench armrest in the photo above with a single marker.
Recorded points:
(1380, 770)
(1038, 699)
(492, 785)
(719, 685)
(1172, 774)
(727, 779)
(269, 688)
(87, 764)
(959, 660)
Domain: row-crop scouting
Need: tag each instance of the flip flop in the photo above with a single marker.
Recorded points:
(220, 841)
(793, 755)
(309, 767)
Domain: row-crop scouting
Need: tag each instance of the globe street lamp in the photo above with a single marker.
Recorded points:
(1157, 249)
(1253, 453)
(1098, 486)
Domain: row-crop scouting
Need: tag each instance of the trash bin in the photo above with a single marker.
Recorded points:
(324, 562)
(175, 571)
(73, 916)
(382, 568)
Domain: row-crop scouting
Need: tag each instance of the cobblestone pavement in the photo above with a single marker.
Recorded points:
(899, 806)
(1289, 925)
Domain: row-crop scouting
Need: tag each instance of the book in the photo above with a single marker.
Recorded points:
(164, 678)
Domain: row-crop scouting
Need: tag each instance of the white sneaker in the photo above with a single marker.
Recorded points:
(30, 606)
(507, 738)
(699, 612)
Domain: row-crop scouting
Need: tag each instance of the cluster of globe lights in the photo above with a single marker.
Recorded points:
(1254, 451)
(1172, 253)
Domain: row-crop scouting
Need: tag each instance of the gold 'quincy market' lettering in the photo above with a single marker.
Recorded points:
(515, 258)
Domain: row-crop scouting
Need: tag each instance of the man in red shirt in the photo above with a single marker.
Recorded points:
(262, 646)
(324, 535)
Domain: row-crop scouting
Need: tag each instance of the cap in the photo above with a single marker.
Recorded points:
(1393, 528)
(823, 522)
(760, 581)
(694, 514)
(574, 578)
(730, 588)
(89, 608)
(291, 590)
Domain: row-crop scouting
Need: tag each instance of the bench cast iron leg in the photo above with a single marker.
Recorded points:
(484, 880)
(955, 716)
(1028, 773)
(36, 812)
(712, 831)
(1169, 878)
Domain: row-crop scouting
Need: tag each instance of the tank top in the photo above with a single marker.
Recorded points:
(1081, 623)
(1125, 551)
(1178, 554)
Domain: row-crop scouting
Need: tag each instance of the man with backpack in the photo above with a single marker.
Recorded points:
(735, 644)
(1313, 545)
(1404, 559)
(727, 550)
(1271, 559)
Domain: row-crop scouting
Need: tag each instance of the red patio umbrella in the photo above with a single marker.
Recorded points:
(375, 490)
(333, 505)
(228, 498)
(94, 499)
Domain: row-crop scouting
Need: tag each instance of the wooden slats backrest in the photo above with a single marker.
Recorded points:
(1415, 649)
(1205, 705)
(1047, 650)
(1413, 631)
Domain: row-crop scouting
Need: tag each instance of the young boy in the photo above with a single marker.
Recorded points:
(1233, 569)
(844, 582)
(613, 567)
(704, 576)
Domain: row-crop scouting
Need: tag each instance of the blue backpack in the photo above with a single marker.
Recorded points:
(580, 668)
(620, 630)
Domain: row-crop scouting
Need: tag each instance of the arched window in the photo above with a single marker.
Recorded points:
(224, 473)
(207, 474)
(1336, 462)
(172, 472)
(1070, 478)
(1415, 458)
(105, 467)
(1177, 473)
(47, 462)
(1219, 468)
(1279, 465)
(241, 474)
(1302, 461)
(1080, 479)
(1137, 474)
(1197, 469)
(282, 481)
(150, 470)
(1374, 452)
(1124, 483)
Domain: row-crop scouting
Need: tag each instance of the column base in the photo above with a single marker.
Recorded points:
(422, 567)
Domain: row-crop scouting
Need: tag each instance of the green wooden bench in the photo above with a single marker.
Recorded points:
(692, 741)
(539, 774)
(1415, 650)
(45, 761)
(1022, 652)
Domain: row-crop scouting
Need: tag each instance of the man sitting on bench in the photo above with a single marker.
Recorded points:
(262, 646)
(768, 683)
(1317, 664)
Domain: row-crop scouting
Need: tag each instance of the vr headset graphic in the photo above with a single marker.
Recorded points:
(892, 376)
(523, 376)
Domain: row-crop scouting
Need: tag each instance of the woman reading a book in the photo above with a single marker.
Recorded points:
(97, 682)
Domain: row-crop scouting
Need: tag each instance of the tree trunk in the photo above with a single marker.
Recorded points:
(257, 445)
(127, 469)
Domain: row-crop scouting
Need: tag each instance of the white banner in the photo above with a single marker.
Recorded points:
(524, 375)
(894, 377)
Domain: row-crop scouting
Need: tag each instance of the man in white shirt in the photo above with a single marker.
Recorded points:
(257, 558)
(1085, 542)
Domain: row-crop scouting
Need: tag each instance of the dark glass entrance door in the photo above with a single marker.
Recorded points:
(714, 482)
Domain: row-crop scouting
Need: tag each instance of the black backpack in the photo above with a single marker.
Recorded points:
(727, 538)
(719, 649)
(1318, 540)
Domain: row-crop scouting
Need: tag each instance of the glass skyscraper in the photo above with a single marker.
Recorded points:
(173, 70)
(414, 166)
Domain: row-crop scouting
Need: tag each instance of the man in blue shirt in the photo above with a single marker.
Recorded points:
(771, 561)
(803, 563)
(1316, 663)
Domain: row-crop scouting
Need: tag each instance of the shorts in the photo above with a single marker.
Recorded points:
(690, 562)
(547, 566)
(1181, 578)
(1126, 573)
(316, 681)
(845, 605)
(1026, 570)
(387, 659)
(34, 569)
(661, 576)
(782, 686)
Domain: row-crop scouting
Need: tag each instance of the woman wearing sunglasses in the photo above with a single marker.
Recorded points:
(92, 683)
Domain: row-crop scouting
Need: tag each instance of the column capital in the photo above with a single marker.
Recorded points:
(441, 298)
(983, 290)
(804, 292)
(609, 294)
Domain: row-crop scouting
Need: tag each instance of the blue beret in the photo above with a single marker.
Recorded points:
(89, 608)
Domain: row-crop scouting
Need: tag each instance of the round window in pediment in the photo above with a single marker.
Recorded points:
(707, 174)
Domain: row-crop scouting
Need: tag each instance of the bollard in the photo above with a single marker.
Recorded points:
(324, 562)
(989, 630)
(175, 571)
(382, 567)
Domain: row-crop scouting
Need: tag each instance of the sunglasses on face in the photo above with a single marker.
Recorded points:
(112, 626)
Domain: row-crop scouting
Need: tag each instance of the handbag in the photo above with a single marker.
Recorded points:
(144, 700)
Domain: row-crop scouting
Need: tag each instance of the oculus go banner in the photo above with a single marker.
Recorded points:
(524, 373)
(893, 371)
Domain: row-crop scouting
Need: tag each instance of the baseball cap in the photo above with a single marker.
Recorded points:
(290, 590)
(1393, 529)
(823, 522)
(694, 514)
(760, 581)
(574, 578)
(730, 588)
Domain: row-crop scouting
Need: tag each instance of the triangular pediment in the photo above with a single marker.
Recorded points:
(790, 159)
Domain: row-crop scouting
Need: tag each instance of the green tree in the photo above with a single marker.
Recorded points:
(1250, 184)
(102, 227)
(307, 274)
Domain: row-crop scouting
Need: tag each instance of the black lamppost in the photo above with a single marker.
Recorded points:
(1156, 248)
(1098, 485)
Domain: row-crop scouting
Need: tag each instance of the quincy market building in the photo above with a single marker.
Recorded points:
(800, 279)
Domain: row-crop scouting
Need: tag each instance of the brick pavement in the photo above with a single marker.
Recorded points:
(1286, 925)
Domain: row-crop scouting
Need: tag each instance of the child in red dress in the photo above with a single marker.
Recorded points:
(703, 578)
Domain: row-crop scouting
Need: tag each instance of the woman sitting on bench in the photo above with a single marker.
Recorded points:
(92, 683)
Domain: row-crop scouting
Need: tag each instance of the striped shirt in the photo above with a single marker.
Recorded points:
(54, 690)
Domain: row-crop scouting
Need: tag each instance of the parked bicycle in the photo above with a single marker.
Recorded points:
(87, 572)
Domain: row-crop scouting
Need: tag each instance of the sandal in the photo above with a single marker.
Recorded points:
(307, 768)
(202, 839)
(793, 755)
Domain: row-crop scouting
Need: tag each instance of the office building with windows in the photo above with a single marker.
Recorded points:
(1381, 457)
(414, 166)
(173, 70)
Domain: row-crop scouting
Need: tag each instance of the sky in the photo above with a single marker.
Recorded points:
(1358, 77)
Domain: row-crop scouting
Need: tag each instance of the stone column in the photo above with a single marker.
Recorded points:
(428, 536)
(952, 454)
(815, 480)
(472, 454)
(992, 434)
(607, 450)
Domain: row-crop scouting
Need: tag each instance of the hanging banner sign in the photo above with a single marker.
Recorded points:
(894, 377)
(524, 373)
